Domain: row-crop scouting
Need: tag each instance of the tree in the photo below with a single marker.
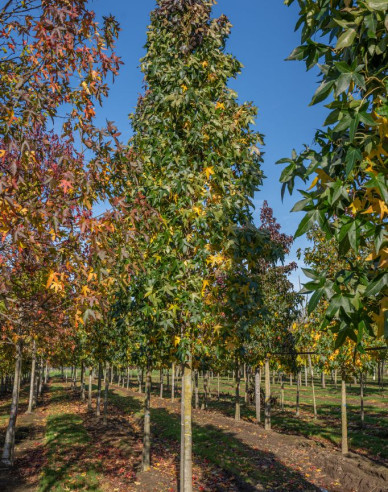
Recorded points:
(199, 167)
(348, 196)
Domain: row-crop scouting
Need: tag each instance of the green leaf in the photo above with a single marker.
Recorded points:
(299, 206)
(315, 298)
(322, 92)
(378, 4)
(346, 39)
(377, 286)
(307, 222)
(353, 155)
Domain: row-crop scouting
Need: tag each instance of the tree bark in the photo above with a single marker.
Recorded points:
(90, 388)
(32, 379)
(161, 383)
(258, 394)
(187, 482)
(344, 418)
(106, 393)
(173, 382)
(218, 386)
(313, 387)
(46, 373)
(205, 390)
(98, 405)
(298, 381)
(323, 380)
(146, 461)
(267, 407)
(196, 389)
(362, 400)
(9, 443)
(237, 413)
(83, 396)
(282, 393)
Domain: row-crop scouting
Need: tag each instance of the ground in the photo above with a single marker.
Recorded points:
(63, 446)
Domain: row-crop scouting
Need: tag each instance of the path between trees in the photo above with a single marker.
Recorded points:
(62, 447)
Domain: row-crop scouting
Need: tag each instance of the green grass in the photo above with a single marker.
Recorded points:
(371, 440)
(67, 443)
(218, 447)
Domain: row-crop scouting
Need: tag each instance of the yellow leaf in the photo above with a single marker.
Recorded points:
(204, 285)
(209, 171)
(177, 341)
(205, 64)
(220, 105)
(184, 87)
(316, 179)
(2, 153)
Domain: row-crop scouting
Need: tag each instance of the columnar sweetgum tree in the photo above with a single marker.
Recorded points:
(348, 195)
(200, 167)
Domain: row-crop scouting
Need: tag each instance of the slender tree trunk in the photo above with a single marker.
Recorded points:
(291, 379)
(139, 379)
(46, 373)
(218, 386)
(205, 390)
(282, 393)
(344, 418)
(98, 406)
(161, 383)
(312, 386)
(258, 394)
(187, 482)
(83, 396)
(305, 376)
(32, 379)
(298, 381)
(335, 378)
(267, 407)
(182, 460)
(41, 377)
(90, 388)
(9, 443)
(128, 377)
(362, 400)
(196, 389)
(173, 382)
(237, 413)
(323, 380)
(146, 463)
(106, 393)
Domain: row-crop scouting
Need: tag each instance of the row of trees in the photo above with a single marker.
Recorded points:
(176, 272)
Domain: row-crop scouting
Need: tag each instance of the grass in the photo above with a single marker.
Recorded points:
(67, 447)
(371, 440)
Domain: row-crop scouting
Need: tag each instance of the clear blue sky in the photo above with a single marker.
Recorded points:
(262, 37)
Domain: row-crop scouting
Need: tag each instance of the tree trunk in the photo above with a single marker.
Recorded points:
(205, 390)
(9, 443)
(257, 394)
(267, 407)
(298, 381)
(41, 377)
(161, 383)
(196, 389)
(335, 378)
(362, 400)
(282, 393)
(237, 413)
(218, 386)
(106, 393)
(291, 379)
(32, 380)
(128, 377)
(187, 479)
(46, 373)
(323, 380)
(173, 382)
(146, 462)
(98, 406)
(90, 388)
(305, 376)
(313, 387)
(344, 418)
(83, 396)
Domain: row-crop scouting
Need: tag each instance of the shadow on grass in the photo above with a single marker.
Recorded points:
(67, 442)
(249, 467)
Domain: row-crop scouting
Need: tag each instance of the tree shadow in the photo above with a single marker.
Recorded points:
(250, 468)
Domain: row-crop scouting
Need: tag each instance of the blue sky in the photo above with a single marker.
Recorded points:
(262, 37)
